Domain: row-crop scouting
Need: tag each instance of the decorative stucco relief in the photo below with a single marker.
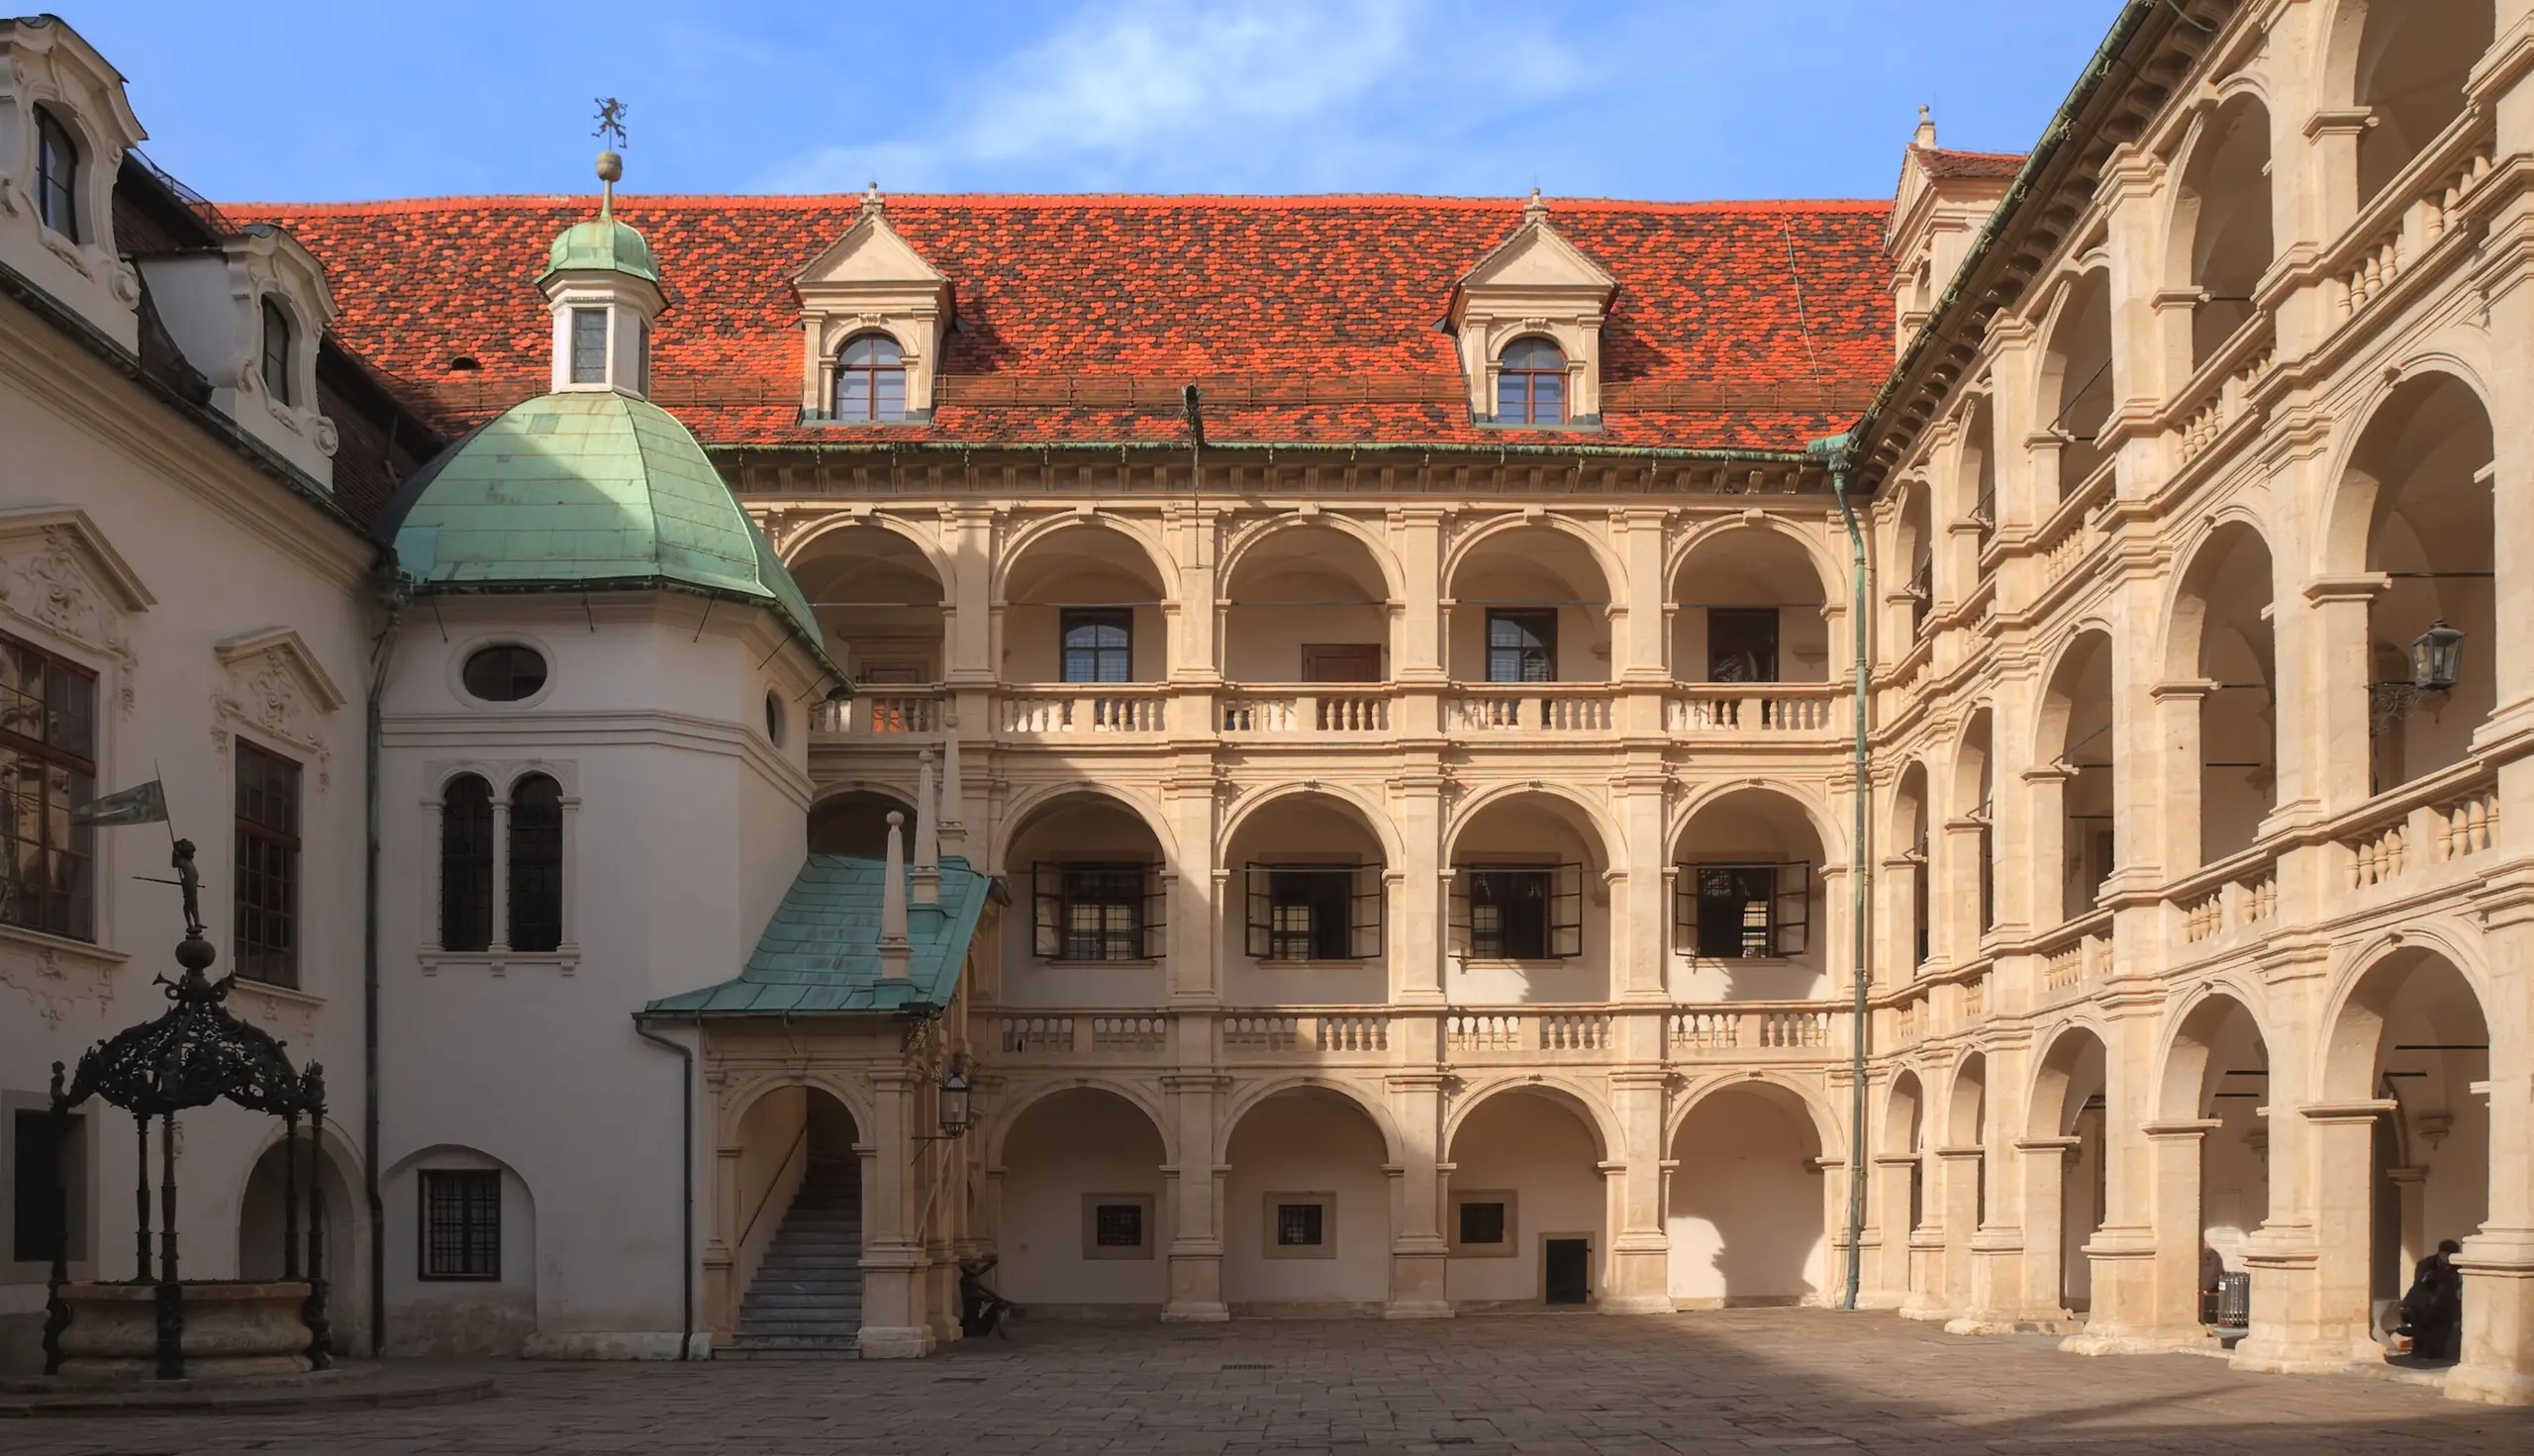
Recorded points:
(272, 684)
(55, 981)
(56, 575)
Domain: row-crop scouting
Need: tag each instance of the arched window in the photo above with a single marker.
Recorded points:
(536, 864)
(56, 176)
(870, 379)
(1530, 384)
(466, 865)
(277, 366)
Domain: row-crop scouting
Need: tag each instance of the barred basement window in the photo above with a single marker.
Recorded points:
(1742, 911)
(1483, 1224)
(1301, 1225)
(462, 1223)
(267, 866)
(1097, 912)
(589, 346)
(536, 864)
(48, 768)
(1117, 1225)
(1315, 911)
(466, 865)
(1517, 912)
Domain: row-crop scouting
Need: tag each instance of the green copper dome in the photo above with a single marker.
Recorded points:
(600, 244)
(591, 490)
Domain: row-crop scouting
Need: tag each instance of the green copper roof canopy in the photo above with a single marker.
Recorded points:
(600, 244)
(820, 954)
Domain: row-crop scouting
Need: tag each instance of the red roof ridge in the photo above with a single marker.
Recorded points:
(987, 201)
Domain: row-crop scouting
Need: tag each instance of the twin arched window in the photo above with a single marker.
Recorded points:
(56, 176)
(1530, 383)
(471, 861)
(870, 379)
(276, 353)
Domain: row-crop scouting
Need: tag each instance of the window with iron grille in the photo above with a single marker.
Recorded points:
(1521, 646)
(589, 346)
(1742, 911)
(1517, 912)
(536, 864)
(466, 865)
(1530, 383)
(276, 358)
(1301, 1225)
(267, 867)
(48, 769)
(462, 1223)
(1315, 911)
(1097, 912)
(1099, 643)
(56, 176)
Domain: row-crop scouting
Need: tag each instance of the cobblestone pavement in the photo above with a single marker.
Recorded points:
(1761, 1379)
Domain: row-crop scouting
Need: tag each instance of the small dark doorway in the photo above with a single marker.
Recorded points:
(1341, 662)
(1566, 1264)
(1742, 645)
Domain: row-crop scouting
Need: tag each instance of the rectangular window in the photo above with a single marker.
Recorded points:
(1483, 1224)
(589, 346)
(1742, 645)
(1341, 662)
(1117, 1225)
(1519, 912)
(47, 1183)
(1301, 1225)
(462, 1223)
(1744, 911)
(1098, 912)
(1099, 643)
(48, 769)
(267, 866)
(1521, 646)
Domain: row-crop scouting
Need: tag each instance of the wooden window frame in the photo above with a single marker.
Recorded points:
(275, 354)
(60, 161)
(535, 887)
(1561, 911)
(1520, 384)
(63, 754)
(1539, 624)
(1773, 670)
(1057, 889)
(1122, 619)
(1509, 1245)
(266, 931)
(468, 1187)
(1358, 938)
(1788, 928)
(859, 381)
(588, 367)
(466, 865)
(1319, 656)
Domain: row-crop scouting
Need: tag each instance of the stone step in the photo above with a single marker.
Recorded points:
(824, 1349)
(830, 1329)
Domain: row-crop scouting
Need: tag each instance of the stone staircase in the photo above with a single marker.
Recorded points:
(807, 1301)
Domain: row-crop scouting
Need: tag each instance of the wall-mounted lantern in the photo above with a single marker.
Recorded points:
(2437, 658)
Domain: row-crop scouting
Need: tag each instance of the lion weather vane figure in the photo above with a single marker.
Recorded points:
(611, 121)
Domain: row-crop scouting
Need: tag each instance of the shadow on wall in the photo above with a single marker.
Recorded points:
(462, 1255)
(261, 1224)
(1746, 1211)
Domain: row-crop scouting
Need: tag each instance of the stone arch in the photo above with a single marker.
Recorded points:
(2075, 379)
(2055, 1072)
(883, 592)
(1578, 808)
(1024, 540)
(2183, 1049)
(1301, 596)
(2219, 234)
(1974, 476)
(1394, 576)
(257, 1196)
(1394, 1146)
(2069, 1102)
(854, 820)
(2368, 980)
(2219, 632)
(1575, 1097)
(1039, 799)
(2406, 61)
(1081, 1199)
(1826, 825)
(2340, 545)
(735, 1103)
(797, 547)
(1765, 572)
(2072, 734)
(1904, 1113)
(1614, 582)
(1746, 1210)
(1965, 1109)
(1829, 1132)
(462, 1317)
(1375, 818)
(1019, 1102)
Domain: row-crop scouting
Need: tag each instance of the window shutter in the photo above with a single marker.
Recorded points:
(1791, 918)
(1456, 913)
(1156, 911)
(1566, 912)
(1261, 911)
(1685, 909)
(1048, 910)
(1364, 924)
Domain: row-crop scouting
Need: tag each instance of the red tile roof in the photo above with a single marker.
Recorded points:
(1305, 320)
(1969, 165)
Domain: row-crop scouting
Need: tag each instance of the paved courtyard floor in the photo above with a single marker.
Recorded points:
(1736, 1381)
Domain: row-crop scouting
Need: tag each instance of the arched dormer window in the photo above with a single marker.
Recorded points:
(870, 379)
(276, 353)
(536, 864)
(1530, 383)
(466, 865)
(56, 176)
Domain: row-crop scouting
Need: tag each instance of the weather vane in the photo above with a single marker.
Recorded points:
(611, 121)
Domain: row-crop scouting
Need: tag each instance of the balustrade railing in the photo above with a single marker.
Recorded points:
(2466, 826)
(880, 715)
(1518, 1034)
(1315, 712)
(1083, 709)
(1130, 1033)
(2364, 267)
(1491, 712)
(1756, 710)
(1023, 1036)
(2078, 953)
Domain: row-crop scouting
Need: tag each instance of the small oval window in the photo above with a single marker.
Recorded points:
(774, 719)
(505, 673)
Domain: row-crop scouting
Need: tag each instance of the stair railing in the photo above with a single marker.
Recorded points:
(739, 1250)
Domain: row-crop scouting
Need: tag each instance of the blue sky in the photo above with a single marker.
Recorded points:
(315, 100)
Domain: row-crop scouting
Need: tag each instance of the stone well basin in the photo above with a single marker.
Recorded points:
(231, 1330)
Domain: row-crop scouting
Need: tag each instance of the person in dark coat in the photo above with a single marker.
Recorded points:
(2433, 1311)
(2212, 1278)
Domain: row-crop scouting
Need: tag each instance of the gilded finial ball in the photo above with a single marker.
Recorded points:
(611, 167)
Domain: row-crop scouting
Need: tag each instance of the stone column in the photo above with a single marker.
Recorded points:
(1417, 885)
(2121, 1255)
(1418, 1253)
(1193, 1187)
(1641, 1280)
(1640, 953)
(721, 1292)
(1889, 1226)
(2498, 1262)
(893, 1262)
(2173, 1154)
(1194, 972)
(2313, 1299)
(501, 873)
(2041, 1164)
(1958, 1174)
(2336, 743)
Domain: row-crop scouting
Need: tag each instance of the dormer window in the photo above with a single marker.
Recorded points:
(277, 356)
(56, 176)
(589, 346)
(870, 379)
(1530, 384)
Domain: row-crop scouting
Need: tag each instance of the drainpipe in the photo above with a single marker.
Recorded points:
(686, 1178)
(392, 597)
(1834, 451)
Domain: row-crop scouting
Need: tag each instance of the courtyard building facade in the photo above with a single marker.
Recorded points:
(1249, 756)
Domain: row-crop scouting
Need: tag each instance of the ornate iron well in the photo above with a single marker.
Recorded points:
(194, 1056)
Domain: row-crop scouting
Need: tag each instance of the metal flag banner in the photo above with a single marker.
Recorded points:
(142, 804)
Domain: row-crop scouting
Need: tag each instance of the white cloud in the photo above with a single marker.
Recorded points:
(1210, 96)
